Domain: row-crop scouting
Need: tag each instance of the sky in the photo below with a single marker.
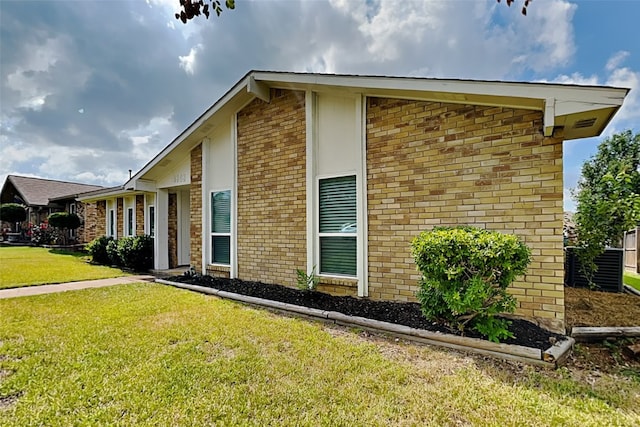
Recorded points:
(91, 89)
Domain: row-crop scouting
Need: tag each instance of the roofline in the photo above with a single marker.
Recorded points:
(102, 193)
(251, 81)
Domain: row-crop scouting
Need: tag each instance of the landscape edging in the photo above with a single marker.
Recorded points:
(550, 358)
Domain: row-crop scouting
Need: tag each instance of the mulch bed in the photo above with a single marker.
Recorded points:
(402, 313)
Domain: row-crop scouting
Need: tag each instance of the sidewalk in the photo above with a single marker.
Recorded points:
(72, 286)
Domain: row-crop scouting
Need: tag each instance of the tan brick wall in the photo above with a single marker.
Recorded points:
(195, 205)
(445, 164)
(218, 271)
(271, 189)
(173, 230)
(80, 232)
(90, 218)
(101, 219)
(139, 215)
(120, 215)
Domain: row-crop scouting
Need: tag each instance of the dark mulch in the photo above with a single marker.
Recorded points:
(402, 313)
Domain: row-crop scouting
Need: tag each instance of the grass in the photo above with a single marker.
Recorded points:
(631, 279)
(29, 266)
(146, 354)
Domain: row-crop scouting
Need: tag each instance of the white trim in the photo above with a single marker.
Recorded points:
(311, 170)
(147, 220)
(361, 198)
(317, 226)
(213, 234)
(112, 222)
(233, 271)
(260, 90)
(130, 231)
(549, 116)
(162, 230)
(204, 247)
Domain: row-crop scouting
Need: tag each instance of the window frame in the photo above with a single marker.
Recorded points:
(131, 222)
(352, 235)
(213, 234)
(151, 222)
(111, 223)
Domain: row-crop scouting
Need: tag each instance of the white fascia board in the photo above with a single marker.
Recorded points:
(239, 87)
(120, 192)
(583, 98)
(142, 185)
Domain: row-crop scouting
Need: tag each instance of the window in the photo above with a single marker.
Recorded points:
(152, 221)
(338, 226)
(72, 210)
(221, 227)
(112, 223)
(130, 230)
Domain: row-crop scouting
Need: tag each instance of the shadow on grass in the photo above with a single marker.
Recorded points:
(75, 254)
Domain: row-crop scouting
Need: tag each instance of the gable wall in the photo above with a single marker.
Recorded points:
(271, 200)
(445, 164)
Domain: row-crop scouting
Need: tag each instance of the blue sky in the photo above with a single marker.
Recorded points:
(91, 89)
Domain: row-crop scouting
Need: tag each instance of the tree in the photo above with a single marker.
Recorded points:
(608, 197)
(64, 221)
(524, 6)
(12, 212)
(189, 9)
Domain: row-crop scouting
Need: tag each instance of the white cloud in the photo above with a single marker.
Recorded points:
(188, 62)
(616, 60)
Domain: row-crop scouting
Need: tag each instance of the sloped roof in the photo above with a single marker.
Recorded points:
(38, 191)
(572, 111)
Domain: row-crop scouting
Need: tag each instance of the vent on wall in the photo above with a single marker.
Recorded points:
(584, 123)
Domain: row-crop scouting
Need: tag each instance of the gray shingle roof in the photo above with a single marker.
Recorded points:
(38, 191)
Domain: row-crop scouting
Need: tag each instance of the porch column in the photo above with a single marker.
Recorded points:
(161, 239)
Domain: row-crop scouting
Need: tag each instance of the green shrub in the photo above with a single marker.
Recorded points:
(136, 252)
(64, 220)
(307, 282)
(112, 253)
(12, 213)
(97, 248)
(465, 274)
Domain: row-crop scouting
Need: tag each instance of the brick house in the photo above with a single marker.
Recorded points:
(42, 197)
(290, 171)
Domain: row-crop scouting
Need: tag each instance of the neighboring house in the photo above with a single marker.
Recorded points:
(42, 197)
(294, 171)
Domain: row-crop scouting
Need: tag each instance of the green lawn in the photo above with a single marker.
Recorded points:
(631, 279)
(146, 354)
(29, 266)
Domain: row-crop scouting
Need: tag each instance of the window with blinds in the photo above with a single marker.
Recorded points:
(221, 227)
(338, 226)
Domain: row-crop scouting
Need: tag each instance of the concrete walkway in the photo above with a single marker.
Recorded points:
(72, 286)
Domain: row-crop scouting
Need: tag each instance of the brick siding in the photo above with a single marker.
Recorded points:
(272, 188)
(173, 230)
(195, 203)
(120, 215)
(432, 163)
(139, 215)
(101, 218)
